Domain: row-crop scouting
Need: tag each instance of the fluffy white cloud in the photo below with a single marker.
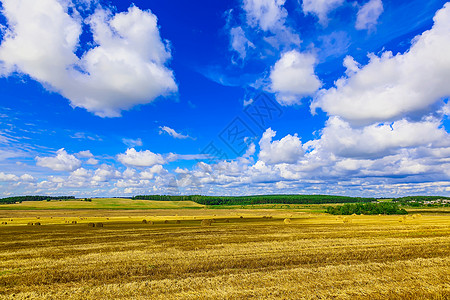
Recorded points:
(379, 140)
(151, 172)
(172, 133)
(321, 8)
(287, 150)
(368, 14)
(61, 162)
(92, 161)
(105, 173)
(391, 87)
(267, 14)
(292, 77)
(81, 172)
(27, 178)
(85, 154)
(126, 66)
(129, 173)
(8, 177)
(140, 158)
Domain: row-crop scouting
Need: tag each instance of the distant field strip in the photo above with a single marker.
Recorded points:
(100, 203)
(316, 256)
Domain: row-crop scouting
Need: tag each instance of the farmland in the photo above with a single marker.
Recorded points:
(245, 253)
(99, 203)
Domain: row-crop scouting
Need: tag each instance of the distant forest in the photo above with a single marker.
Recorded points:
(384, 208)
(19, 199)
(420, 198)
(259, 199)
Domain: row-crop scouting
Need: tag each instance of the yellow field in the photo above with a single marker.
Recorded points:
(100, 203)
(258, 256)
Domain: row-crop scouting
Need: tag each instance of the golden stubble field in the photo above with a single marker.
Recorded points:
(244, 254)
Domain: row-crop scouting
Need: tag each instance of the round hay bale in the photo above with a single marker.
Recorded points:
(91, 225)
(98, 224)
(178, 222)
(38, 217)
(166, 221)
(206, 222)
(227, 221)
(346, 220)
(30, 224)
(74, 222)
(144, 221)
(150, 222)
(287, 221)
(241, 217)
(37, 224)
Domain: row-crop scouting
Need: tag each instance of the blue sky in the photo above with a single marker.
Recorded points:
(118, 98)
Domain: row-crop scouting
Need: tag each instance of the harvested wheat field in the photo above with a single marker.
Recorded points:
(256, 255)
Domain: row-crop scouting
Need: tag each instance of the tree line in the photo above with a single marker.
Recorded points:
(258, 199)
(19, 199)
(384, 208)
(419, 199)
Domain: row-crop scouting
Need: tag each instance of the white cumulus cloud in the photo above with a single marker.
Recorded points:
(8, 177)
(126, 67)
(105, 173)
(85, 154)
(61, 162)
(140, 158)
(27, 178)
(287, 150)
(368, 14)
(92, 161)
(378, 140)
(150, 173)
(390, 87)
(267, 14)
(292, 77)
